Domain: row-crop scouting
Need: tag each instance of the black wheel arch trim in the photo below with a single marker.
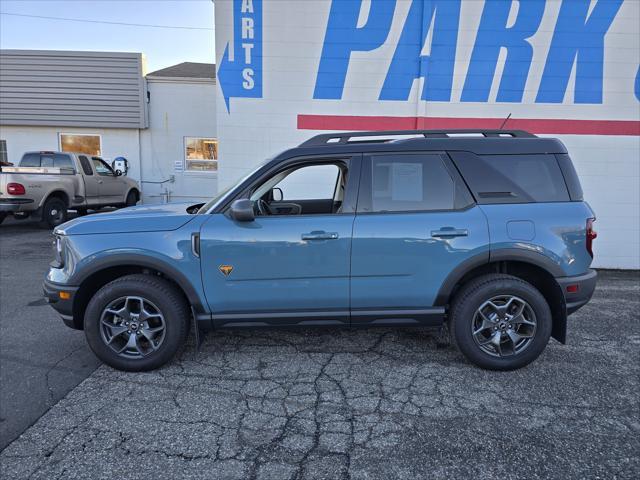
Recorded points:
(133, 260)
(500, 255)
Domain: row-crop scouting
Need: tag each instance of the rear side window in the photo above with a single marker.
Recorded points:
(86, 166)
(512, 178)
(405, 183)
(62, 161)
(30, 160)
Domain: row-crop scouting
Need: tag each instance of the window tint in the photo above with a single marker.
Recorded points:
(86, 166)
(310, 183)
(513, 178)
(62, 161)
(401, 183)
(30, 160)
(101, 167)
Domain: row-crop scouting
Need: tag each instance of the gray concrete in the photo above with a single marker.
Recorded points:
(369, 404)
(40, 358)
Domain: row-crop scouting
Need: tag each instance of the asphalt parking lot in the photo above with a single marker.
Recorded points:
(330, 404)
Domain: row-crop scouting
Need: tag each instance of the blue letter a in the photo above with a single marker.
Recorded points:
(436, 68)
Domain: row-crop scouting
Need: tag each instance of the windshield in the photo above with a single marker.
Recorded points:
(207, 206)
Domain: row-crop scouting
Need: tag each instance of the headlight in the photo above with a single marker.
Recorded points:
(58, 252)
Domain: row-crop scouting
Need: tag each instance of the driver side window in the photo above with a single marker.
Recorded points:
(101, 167)
(303, 190)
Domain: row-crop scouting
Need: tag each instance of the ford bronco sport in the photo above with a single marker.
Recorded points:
(485, 231)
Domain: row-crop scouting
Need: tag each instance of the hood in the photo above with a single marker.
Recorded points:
(144, 218)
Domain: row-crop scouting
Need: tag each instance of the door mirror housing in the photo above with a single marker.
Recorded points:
(276, 194)
(242, 210)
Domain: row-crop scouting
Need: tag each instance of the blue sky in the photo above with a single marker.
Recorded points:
(162, 46)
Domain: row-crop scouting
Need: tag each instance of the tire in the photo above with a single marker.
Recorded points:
(161, 298)
(496, 342)
(132, 199)
(54, 213)
(3, 215)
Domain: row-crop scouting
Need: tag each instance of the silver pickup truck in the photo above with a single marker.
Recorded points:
(48, 184)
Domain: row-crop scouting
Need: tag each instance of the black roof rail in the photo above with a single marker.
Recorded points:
(345, 137)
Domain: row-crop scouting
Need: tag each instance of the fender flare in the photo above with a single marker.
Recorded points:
(505, 254)
(137, 260)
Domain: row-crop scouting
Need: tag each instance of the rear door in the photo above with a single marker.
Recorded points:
(416, 222)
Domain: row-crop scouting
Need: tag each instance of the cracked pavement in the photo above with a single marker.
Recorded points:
(356, 404)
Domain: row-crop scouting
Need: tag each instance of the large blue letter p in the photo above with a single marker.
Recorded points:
(344, 36)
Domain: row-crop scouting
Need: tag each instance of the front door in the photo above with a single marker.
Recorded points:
(111, 188)
(416, 223)
(290, 266)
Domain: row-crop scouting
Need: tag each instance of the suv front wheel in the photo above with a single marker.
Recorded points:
(500, 322)
(137, 322)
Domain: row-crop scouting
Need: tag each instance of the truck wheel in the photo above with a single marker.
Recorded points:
(500, 322)
(137, 322)
(3, 215)
(54, 213)
(132, 199)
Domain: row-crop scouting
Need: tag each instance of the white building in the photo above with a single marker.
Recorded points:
(181, 141)
(101, 103)
(289, 69)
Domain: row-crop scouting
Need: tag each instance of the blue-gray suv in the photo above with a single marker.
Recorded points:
(484, 231)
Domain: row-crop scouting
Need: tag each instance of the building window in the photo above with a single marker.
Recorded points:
(4, 159)
(81, 143)
(201, 154)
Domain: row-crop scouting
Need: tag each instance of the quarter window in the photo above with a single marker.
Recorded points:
(405, 183)
(201, 154)
(90, 144)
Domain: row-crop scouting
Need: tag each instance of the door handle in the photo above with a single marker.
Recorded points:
(448, 232)
(99, 181)
(319, 235)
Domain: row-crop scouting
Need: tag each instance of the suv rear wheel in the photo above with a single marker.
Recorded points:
(500, 322)
(137, 322)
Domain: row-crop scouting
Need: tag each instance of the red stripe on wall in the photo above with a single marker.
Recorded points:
(533, 125)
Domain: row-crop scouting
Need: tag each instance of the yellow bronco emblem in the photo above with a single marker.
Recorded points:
(226, 269)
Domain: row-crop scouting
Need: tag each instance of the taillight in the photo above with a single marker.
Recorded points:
(15, 189)
(591, 235)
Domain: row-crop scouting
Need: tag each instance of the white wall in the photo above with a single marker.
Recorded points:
(177, 109)
(260, 124)
(116, 142)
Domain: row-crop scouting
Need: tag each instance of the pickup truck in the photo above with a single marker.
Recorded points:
(48, 184)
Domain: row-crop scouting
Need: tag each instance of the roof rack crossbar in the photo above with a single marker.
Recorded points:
(345, 137)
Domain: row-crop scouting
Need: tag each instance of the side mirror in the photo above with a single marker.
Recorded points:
(242, 210)
(276, 194)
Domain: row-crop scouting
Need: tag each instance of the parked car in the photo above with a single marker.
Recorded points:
(488, 235)
(48, 184)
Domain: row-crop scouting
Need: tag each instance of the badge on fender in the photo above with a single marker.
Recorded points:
(225, 269)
